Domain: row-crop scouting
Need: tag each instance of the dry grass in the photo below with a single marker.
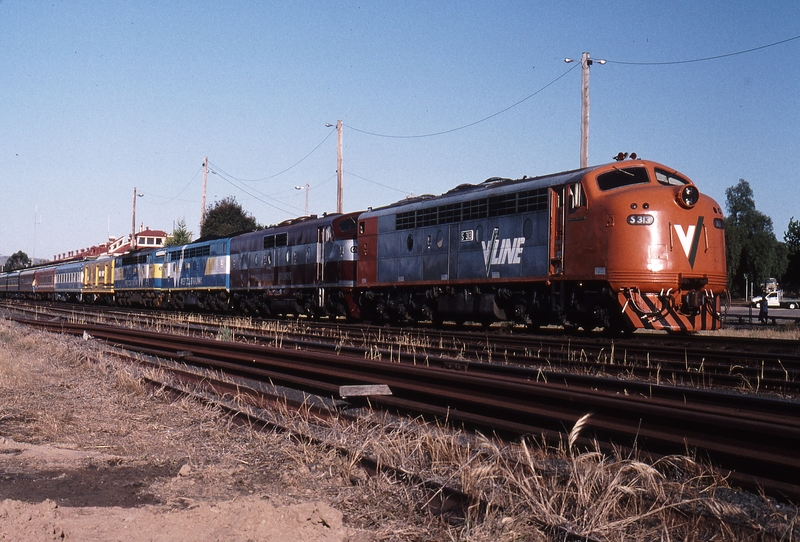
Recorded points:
(65, 391)
(524, 491)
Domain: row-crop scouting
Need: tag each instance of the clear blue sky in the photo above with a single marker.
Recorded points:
(99, 97)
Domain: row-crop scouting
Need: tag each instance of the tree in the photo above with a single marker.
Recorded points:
(792, 240)
(751, 246)
(18, 260)
(180, 235)
(226, 217)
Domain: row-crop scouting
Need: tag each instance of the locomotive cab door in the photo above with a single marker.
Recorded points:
(557, 223)
(323, 237)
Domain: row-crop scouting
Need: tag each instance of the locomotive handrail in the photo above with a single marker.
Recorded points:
(637, 308)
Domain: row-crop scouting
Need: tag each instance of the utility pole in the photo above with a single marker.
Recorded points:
(133, 219)
(36, 221)
(205, 182)
(339, 172)
(585, 63)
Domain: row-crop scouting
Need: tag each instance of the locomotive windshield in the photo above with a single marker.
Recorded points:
(670, 178)
(347, 224)
(622, 177)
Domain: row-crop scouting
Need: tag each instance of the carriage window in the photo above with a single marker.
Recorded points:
(670, 179)
(622, 177)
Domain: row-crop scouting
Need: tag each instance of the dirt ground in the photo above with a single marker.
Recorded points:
(52, 493)
(88, 452)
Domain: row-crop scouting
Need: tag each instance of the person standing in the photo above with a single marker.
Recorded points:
(763, 310)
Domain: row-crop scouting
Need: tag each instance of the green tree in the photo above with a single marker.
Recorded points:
(792, 241)
(226, 217)
(18, 260)
(180, 235)
(751, 246)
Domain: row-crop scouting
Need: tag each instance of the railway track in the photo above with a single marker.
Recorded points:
(753, 438)
(748, 366)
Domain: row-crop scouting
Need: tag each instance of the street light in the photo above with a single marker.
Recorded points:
(133, 218)
(306, 189)
(585, 63)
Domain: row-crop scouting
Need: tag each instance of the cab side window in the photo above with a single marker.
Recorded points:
(577, 197)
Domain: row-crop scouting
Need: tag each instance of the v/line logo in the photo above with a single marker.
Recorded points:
(501, 251)
(690, 239)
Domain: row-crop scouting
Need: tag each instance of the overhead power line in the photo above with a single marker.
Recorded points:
(716, 57)
(466, 125)
(280, 172)
(224, 176)
(377, 183)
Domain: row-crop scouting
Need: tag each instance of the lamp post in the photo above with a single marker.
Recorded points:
(306, 189)
(585, 63)
(133, 219)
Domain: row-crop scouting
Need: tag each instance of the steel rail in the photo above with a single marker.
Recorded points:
(756, 447)
(694, 365)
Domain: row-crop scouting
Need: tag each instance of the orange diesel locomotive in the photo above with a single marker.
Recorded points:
(621, 246)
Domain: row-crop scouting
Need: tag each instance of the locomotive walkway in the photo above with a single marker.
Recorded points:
(751, 437)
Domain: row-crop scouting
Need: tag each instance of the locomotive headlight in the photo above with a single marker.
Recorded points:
(640, 220)
(688, 196)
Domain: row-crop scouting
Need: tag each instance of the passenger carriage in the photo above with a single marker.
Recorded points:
(69, 282)
(98, 280)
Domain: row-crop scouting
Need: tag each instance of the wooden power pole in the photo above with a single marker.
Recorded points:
(339, 172)
(205, 182)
